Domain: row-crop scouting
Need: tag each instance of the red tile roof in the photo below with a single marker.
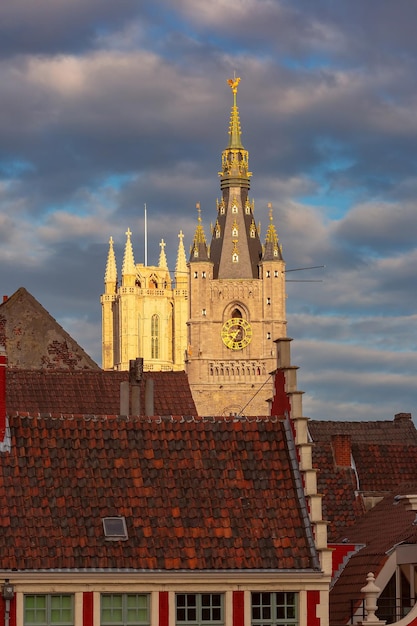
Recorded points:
(214, 493)
(384, 455)
(382, 528)
(92, 392)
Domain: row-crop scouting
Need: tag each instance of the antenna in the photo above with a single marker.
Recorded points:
(300, 269)
(146, 238)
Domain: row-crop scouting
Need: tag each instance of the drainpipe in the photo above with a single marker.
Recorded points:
(8, 595)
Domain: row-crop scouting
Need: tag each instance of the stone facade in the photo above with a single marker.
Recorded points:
(227, 306)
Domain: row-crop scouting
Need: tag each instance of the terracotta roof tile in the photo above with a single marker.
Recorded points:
(394, 525)
(183, 486)
(91, 392)
(384, 454)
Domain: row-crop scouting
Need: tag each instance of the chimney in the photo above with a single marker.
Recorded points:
(342, 450)
(3, 366)
(402, 417)
(5, 298)
(149, 398)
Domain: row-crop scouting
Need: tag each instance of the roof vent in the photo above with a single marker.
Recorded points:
(115, 528)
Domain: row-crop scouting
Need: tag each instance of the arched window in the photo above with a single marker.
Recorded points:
(155, 337)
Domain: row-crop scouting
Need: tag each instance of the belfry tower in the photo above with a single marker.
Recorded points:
(237, 296)
(146, 314)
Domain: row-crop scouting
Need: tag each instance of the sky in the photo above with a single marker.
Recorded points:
(108, 106)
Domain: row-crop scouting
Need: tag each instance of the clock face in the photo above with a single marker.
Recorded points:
(236, 333)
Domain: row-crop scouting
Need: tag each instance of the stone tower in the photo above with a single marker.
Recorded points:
(237, 296)
(146, 315)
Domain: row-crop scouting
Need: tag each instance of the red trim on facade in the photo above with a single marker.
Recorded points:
(3, 365)
(313, 601)
(163, 608)
(238, 608)
(88, 608)
(280, 403)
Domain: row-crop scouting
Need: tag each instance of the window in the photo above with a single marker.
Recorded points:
(279, 608)
(199, 608)
(276, 273)
(155, 337)
(114, 528)
(48, 610)
(234, 208)
(122, 609)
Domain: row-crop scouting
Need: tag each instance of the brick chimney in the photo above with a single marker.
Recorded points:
(342, 450)
(401, 417)
(3, 366)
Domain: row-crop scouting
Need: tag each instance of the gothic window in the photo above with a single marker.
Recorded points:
(268, 273)
(252, 231)
(155, 337)
(247, 209)
(236, 313)
(235, 258)
(234, 208)
(222, 209)
(153, 283)
(235, 232)
(276, 274)
(217, 231)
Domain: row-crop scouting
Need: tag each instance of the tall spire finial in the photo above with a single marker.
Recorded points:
(234, 130)
(162, 256)
(128, 259)
(111, 271)
(235, 158)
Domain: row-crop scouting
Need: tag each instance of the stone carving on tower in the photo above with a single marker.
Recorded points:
(237, 296)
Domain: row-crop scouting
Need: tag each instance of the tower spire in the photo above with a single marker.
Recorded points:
(181, 265)
(235, 159)
(110, 275)
(199, 249)
(128, 267)
(162, 256)
(271, 249)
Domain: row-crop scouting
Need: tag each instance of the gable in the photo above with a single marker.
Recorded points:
(34, 339)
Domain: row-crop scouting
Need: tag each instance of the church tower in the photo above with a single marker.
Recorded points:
(146, 315)
(237, 296)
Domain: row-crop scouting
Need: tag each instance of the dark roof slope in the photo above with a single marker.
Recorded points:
(384, 455)
(341, 505)
(399, 430)
(34, 339)
(92, 392)
(197, 494)
(382, 528)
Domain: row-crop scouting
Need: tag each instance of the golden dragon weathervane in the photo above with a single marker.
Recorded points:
(233, 83)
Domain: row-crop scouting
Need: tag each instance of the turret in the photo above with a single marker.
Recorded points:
(110, 276)
(128, 267)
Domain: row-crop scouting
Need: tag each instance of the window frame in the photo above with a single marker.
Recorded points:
(199, 609)
(277, 600)
(48, 609)
(124, 608)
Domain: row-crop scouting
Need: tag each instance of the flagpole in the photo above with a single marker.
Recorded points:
(146, 238)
